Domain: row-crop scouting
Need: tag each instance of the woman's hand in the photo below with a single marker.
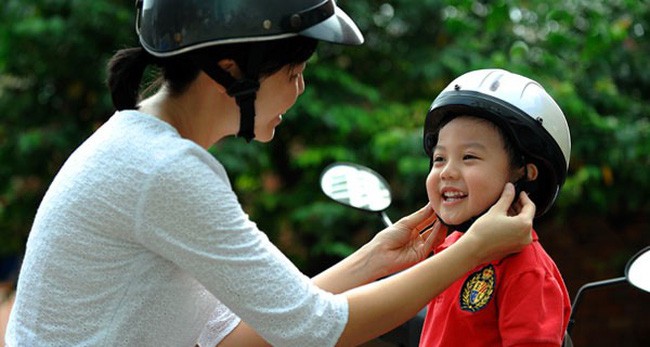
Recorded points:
(393, 249)
(504, 229)
(407, 242)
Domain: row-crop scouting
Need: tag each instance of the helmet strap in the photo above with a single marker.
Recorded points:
(462, 227)
(244, 90)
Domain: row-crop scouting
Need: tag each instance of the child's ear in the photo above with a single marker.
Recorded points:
(531, 170)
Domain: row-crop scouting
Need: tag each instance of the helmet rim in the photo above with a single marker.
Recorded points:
(545, 151)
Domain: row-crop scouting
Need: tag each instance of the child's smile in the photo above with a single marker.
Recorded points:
(450, 195)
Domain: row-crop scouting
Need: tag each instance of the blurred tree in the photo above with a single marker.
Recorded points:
(52, 57)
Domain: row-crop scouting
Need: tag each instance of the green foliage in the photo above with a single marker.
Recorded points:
(362, 104)
(52, 57)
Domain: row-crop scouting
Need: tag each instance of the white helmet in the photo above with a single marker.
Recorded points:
(526, 113)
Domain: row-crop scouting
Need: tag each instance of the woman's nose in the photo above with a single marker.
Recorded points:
(301, 84)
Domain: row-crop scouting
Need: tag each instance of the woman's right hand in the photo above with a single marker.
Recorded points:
(505, 228)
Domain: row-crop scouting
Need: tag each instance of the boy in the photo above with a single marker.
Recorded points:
(487, 128)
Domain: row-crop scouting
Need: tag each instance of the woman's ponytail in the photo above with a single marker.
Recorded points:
(125, 71)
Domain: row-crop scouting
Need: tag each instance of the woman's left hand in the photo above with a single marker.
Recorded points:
(408, 241)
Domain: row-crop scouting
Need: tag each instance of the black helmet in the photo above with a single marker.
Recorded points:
(523, 110)
(169, 27)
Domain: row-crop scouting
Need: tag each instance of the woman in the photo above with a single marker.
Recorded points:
(140, 239)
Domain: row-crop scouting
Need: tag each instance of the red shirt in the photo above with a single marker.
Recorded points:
(520, 300)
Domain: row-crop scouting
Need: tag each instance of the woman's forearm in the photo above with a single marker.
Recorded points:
(378, 307)
(393, 249)
(353, 271)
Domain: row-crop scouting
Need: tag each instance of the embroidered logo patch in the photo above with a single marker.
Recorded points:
(478, 289)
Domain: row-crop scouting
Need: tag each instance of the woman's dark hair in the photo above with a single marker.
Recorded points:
(126, 68)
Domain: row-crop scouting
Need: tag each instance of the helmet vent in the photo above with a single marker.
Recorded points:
(296, 21)
(494, 86)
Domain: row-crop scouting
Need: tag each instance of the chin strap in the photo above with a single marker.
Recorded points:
(520, 185)
(462, 227)
(244, 90)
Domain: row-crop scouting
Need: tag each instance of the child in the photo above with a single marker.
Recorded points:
(487, 128)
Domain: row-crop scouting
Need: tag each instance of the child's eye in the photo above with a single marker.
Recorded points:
(438, 158)
(469, 156)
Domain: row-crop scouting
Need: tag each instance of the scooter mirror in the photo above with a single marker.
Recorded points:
(637, 270)
(357, 186)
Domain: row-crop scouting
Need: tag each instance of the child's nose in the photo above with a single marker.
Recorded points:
(449, 171)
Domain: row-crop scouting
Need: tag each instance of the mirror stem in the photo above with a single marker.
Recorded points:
(588, 286)
(385, 219)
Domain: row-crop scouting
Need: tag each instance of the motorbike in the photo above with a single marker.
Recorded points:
(364, 189)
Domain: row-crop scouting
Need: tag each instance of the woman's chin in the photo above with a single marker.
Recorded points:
(265, 137)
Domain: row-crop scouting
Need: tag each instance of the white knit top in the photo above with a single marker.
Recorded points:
(140, 241)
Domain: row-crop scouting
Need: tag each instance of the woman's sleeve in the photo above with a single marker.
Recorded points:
(220, 324)
(189, 215)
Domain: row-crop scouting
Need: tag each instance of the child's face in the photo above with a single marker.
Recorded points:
(470, 168)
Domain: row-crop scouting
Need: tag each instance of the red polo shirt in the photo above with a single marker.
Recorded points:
(520, 300)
